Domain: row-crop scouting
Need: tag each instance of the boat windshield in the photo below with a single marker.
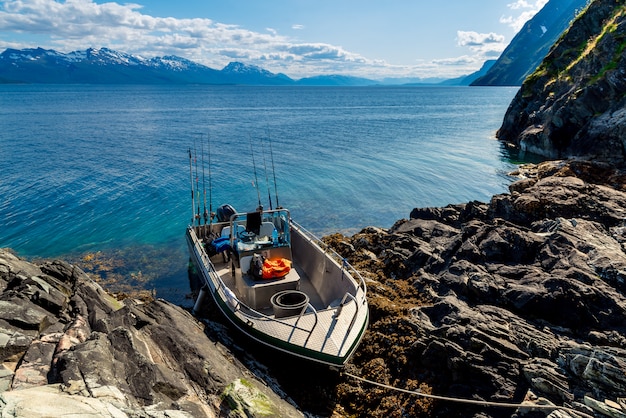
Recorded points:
(258, 230)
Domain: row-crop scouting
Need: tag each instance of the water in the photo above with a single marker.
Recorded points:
(105, 169)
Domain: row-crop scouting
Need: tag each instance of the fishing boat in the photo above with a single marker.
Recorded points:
(307, 301)
(278, 283)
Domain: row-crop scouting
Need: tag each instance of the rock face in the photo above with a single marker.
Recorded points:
(575, 102)
(523, 297)
(531, 44)
(69, 348)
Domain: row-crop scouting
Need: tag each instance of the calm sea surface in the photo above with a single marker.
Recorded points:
(105, 169)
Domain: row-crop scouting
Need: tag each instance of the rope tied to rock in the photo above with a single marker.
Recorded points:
(473, 401)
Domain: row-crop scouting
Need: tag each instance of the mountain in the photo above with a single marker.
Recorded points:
(106, 66)
(532, 43)
(574, 104)
(467, 80)
(236, 73)
(335, 80)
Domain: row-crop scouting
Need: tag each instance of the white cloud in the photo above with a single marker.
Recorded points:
(79, 24)
(69, 25)
(475, 39)
(458, 61)
(483, 45)
(528, 10)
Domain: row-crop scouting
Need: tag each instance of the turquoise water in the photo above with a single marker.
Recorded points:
(105, 168)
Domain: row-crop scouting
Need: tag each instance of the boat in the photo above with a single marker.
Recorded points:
(279, 284)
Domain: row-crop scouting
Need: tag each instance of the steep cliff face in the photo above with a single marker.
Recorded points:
(531, 44)
(574, 104)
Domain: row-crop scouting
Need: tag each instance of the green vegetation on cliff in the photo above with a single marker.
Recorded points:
(532, 43)
(552, 66)
(573, 104)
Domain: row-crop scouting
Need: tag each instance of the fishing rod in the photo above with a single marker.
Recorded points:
(267, 180)
(256, 179)
(192, 191)
(273, 169)
(205, 213)
(210, 180)
(195, 160)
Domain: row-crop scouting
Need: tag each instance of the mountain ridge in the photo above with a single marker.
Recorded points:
(107, 66)
(531, 44)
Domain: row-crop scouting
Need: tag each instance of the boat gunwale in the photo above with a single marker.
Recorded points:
(215, 282)
(335, 257)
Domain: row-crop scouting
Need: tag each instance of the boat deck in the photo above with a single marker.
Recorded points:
(327, 330)
(222, 267)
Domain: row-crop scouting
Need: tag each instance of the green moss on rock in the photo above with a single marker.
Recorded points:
(246, 400)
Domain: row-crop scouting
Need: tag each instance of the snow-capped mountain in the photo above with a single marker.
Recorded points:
(254, 74)
(106, 66)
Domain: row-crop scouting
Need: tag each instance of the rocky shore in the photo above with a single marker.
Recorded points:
(522, 299)
(68, 348)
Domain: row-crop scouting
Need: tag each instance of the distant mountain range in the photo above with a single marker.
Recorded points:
(106, 66)
(532, 43)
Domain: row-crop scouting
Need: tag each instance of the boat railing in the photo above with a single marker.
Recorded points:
(337, 258)
(345, 266)
(252, 313)
(206, 261)
(238, 304)
(356, 311)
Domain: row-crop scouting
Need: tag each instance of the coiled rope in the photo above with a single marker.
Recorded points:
(472, 401)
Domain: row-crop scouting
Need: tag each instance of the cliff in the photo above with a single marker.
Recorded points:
(574, 103)
(531, 44)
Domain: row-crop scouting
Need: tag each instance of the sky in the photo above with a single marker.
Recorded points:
(300, 38)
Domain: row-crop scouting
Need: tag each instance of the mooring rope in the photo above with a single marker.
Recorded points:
(471, 401)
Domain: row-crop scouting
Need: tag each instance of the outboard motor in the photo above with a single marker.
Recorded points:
(224, 213)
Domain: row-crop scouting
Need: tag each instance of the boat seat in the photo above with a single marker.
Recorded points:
(257, 293)
(244, 263)
(266, 230)
(226, 230)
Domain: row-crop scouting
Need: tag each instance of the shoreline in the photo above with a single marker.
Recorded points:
(457, 292)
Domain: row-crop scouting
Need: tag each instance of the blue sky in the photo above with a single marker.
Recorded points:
(367, 38)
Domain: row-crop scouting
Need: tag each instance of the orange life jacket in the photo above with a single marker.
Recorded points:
(276, 267)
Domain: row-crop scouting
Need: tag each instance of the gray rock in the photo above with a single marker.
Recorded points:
(525, 293)
(70, 348)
